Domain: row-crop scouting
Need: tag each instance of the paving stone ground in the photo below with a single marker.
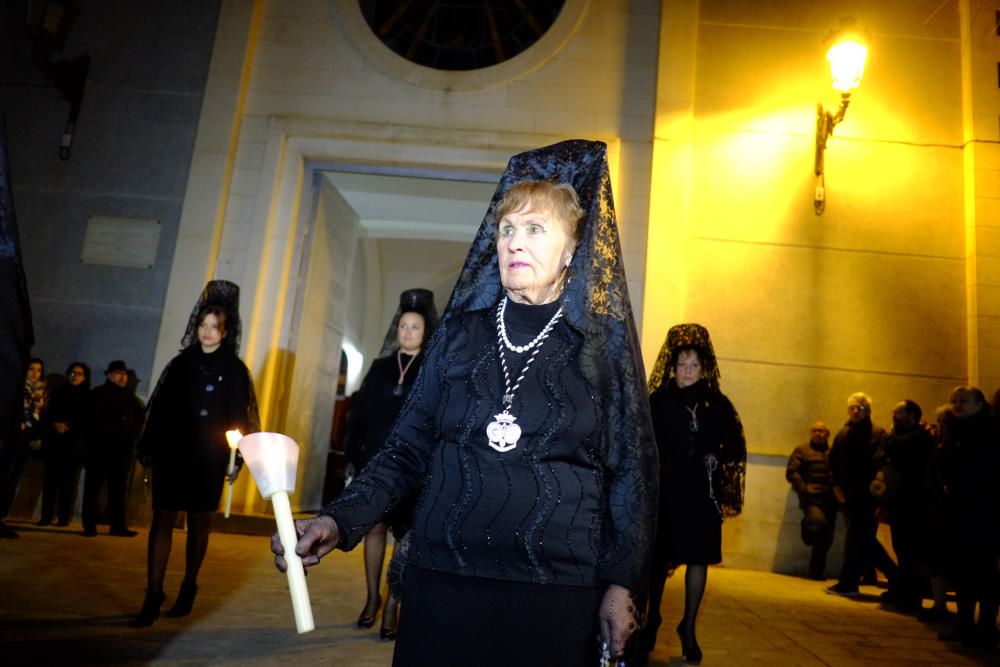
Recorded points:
(66, 600)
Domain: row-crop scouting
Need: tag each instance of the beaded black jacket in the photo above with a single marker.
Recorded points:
(575, 502)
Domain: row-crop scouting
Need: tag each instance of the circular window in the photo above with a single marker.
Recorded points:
(518, 49)
(459, 36)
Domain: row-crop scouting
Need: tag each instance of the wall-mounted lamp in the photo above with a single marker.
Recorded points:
(847, 63)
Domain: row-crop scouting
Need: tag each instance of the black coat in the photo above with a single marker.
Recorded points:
(375, 408)
(68, 405)
(964, 471)
(852, 462)
(904, 459)
(690, 520)
(198, 398)
(116, 417)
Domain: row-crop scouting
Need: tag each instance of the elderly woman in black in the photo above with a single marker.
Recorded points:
(526, 436)
(203, 392)
(702, 467)
(374, 410)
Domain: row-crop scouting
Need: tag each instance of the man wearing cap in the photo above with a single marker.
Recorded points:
(116, 419)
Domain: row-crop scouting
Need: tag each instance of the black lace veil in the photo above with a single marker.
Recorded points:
(596, 304)
(416, 300)
(596, 288)
(732, 477)
(225, 295)
(682, 337)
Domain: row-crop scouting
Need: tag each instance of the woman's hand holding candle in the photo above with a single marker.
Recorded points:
(318, 536)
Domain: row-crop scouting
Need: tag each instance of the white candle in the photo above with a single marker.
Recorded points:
(233, 438)
(296, 574)
(272, 459)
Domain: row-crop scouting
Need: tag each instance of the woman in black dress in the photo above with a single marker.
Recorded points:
(62, 449)
(203, 392)
(702, 466)
(374, 410)
(526, 438)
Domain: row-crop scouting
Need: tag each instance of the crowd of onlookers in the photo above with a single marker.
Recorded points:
(72, 428)
(934, 483)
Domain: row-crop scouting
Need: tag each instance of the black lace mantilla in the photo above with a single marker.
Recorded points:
(597, 287)
(682, 337)
(225, 295)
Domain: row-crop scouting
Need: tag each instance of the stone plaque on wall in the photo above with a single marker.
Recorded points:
(121, 241)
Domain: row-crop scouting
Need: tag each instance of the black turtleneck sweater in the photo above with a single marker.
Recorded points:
(539, 513)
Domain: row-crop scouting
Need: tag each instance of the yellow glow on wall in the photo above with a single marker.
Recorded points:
(741, 178)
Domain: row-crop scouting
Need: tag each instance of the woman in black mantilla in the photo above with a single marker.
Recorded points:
(374, 410)
(527, 437)
(702, 466)
(203, 392)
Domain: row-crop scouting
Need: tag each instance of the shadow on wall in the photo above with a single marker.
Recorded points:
(791, 555)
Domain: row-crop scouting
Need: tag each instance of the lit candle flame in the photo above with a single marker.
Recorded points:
(233, 437)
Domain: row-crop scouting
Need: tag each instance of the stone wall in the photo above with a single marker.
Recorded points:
(130, 158)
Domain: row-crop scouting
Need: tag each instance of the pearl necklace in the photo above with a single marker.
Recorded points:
(502, 329)
(502, 432)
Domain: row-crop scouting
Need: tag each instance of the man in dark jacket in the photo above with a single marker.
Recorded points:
(852, 463)
(808, 472)
(116, 419)
(900, 488)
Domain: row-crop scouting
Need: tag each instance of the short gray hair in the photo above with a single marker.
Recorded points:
(859, 398)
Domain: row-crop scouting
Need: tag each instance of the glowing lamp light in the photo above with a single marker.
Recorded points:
(847, 64)
(272, 459)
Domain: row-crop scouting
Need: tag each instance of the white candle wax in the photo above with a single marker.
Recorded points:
(296, 574)
(233, 438)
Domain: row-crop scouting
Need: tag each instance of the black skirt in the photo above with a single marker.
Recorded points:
(447, 619)
(690, 530)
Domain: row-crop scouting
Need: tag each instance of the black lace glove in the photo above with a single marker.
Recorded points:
(317, 537)
(617, 618)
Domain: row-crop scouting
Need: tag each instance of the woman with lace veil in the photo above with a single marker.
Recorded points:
(702, 466)
(374, 410)
(526, 439)
(203, 392)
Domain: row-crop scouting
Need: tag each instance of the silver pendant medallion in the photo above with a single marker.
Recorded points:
(503, 432)
(397, 390)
